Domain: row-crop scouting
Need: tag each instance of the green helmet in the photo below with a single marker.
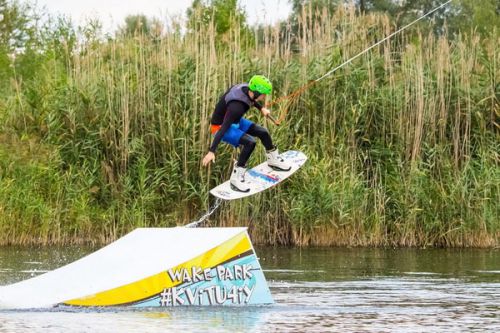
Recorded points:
(260, 84)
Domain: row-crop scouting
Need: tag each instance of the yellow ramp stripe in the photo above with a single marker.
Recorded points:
(155, 284)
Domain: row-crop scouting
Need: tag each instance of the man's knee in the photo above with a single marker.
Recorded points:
(265, 133)
(261, 132)
(248, 141)
(251, 142)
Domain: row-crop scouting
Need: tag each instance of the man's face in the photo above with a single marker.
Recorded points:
(261, 98)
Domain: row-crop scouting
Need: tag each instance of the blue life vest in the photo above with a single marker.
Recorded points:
(236, 94)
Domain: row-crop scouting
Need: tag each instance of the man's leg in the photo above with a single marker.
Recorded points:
(263, 134)
(248, 145)
(274, 160)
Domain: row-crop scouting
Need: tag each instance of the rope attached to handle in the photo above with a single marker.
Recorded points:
(293, 96)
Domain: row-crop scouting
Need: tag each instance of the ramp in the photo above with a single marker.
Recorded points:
(151, 267)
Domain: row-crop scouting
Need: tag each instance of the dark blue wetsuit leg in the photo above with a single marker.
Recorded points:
(247, 142)
(263, 134)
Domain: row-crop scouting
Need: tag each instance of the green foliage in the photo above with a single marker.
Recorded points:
(315, 5)
(98, 136)
(17, 24)
(223, 14)
(17, 29)
(460, 15)
(137, 24)
(483, 16)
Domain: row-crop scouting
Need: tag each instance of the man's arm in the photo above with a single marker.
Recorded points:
(235, 110)
(265, 111)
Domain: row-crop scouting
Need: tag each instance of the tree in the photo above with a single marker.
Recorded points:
(224, 14)
(16, 25)
(362, 5)
(297, 5)
(482, 16)
(17, 36)
(136, 25)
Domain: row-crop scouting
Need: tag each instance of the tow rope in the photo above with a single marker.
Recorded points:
(294, 95)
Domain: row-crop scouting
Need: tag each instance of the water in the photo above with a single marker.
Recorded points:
(316, 290)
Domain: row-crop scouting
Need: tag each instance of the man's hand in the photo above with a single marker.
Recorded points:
(265, 112)
(209, 157)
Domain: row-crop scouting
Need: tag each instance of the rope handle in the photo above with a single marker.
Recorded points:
(276, 122)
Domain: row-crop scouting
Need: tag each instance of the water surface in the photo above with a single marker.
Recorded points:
(320, 290)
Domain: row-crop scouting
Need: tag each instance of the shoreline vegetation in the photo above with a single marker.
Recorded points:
(101, 135)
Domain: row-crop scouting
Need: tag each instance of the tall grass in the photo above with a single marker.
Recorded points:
(403, 143)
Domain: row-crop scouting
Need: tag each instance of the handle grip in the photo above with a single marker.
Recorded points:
(277, 123)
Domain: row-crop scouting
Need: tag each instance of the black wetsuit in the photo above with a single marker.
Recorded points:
(226, 114)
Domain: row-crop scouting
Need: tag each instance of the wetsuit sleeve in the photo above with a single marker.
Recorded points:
(258, 106)
(235, 110)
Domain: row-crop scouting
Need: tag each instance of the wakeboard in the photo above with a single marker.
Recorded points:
(261, 177)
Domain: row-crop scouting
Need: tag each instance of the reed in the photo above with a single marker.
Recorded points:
(403, 143)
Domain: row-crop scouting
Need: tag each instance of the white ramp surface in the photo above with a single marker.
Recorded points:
(146, 266)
